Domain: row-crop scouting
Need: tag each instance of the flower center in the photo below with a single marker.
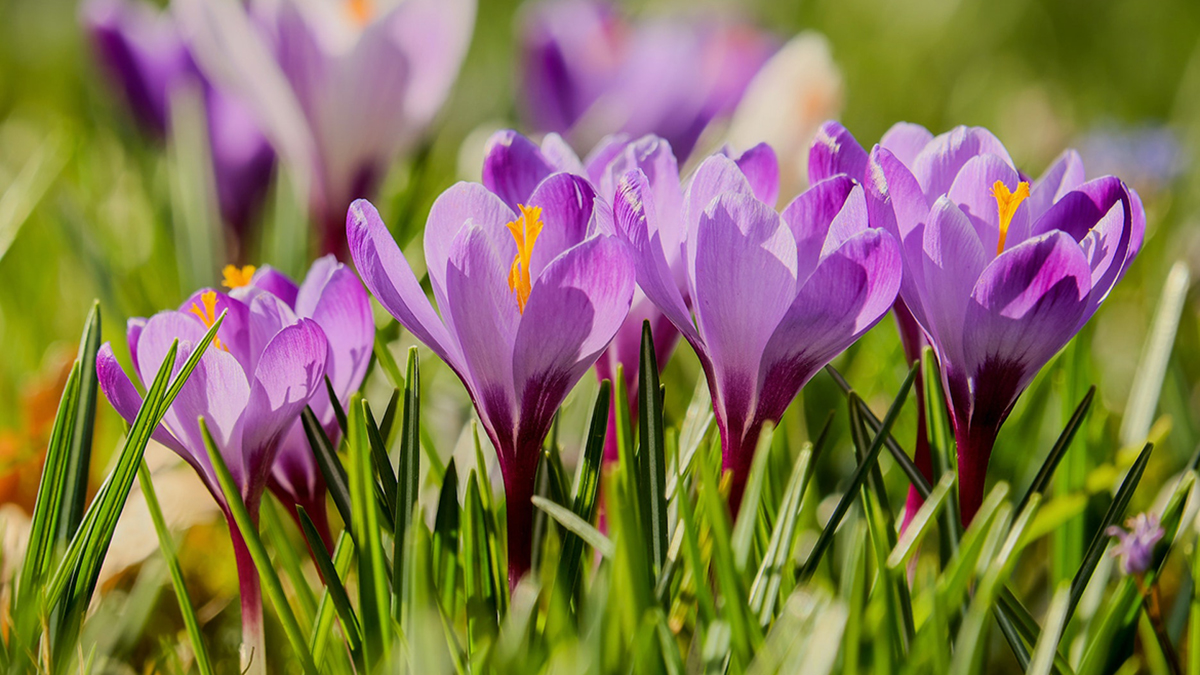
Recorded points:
(360, 11)
(236, 277)
(525, 230)
(1006, 203)
(208, 315)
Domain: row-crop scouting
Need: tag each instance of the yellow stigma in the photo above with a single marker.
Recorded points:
(525, 230)
(360, 11)
(208, 315)
(236, 277)
(1007, 203)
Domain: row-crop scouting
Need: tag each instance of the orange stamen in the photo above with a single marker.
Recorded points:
(360, 11)
(525, 230)
(208, 315)
(1006, 204)
(236, 277)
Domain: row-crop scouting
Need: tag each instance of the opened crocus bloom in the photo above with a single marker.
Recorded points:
(513, 168)
(999, 272)
(341, 88)
(587, 73)
(528, 300)
(148, 60)
(333, 297)
(251, 384)
(774, 297)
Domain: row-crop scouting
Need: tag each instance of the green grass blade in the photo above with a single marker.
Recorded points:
(577, 526)
(921, 523)
(276, 536)
(859, 477)
(328, 462)
(446, 528)
(333, 585)
(652, 455)
(79, 455)
(706, 607)
(245, 524)
(744, 528)
(1112, 517)
(167, 545)
(383, 356)
(365, 526)
(587, 488)
(764, 590)
(385, 486)
(343, 555)
(1041, 482)
(338, 413)
(408, 478)
(1056, 621)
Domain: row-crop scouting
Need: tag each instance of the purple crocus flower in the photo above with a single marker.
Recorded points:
(774, 297)
(1135, 549)
(147, 59)
(333, 297)
(340, 88)
(528, 300)
(1000, 272)
(586, 72)
(250, 386)
(514, 166)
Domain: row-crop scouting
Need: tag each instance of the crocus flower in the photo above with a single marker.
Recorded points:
(147, 59)
(528, 301)
(795, 91)
(999, 272)
(251, 384)
(514, 166)
(587, 72)
(1135, 549)
(340, 88)
(333, 297)
(774, 297)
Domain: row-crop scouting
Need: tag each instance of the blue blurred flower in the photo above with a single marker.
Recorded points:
(1135, 547)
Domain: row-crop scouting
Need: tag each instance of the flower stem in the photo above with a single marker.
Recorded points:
(253, 654)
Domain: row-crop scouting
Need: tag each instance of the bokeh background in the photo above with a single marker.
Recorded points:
(92, 209)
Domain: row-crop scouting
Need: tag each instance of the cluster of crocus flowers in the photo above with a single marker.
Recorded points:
(341, 89)
(529, 298)
(142, 49)
(269, 360)
(999, 271)
(587, 71)
(774, 296)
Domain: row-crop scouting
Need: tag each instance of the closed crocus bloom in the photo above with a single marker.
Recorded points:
(250, 385)
(774, 298)
(333, 297)
(795, 91)
(528, 300)
(149, 62)
(512, 169)
(341, 88)
(587, 72)
(1000, 272)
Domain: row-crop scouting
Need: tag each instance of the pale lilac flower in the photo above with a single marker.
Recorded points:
(1135, 548)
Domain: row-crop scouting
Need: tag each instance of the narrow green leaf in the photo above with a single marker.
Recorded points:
(385, 487)
(1116, 510)
(859, 477)
(333, 585)
(1056, 621)
(79, 455)
(764, 591)
(372, 575)
(1041, 482)
(920, 525)
(446, 536)
(167, 545)
(383, 356)
(587, 488)
(328, 462)
(271, 530)
(343, 555)
(748, 513)
(408, 478)
(577, 526)
(652, 454)
(338, 413)
(245, 525)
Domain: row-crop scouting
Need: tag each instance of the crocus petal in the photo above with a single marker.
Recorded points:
(513, 166)
(633, 200)
(1025, 307)
(835, 150)
(952, 260)
(849, 292)
(716, 176)
(133, 331)
(485, 315)
(604, 152)
(390, 279)
(235, 329)
(124, 397)
(567, 202)
(334, 298)
(906, 140)
(761, 167)
(276, 283)
(290, 370)
(939, 162)
(574, 310)
(561, 156)
(1078, 211)
(896, 203)
(744, 268)
(459, 205)
(434, 35)
(1064, 175)
(809, 216)
(268, 315)
(654, 157)
(972, 191)
(1105, 247)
